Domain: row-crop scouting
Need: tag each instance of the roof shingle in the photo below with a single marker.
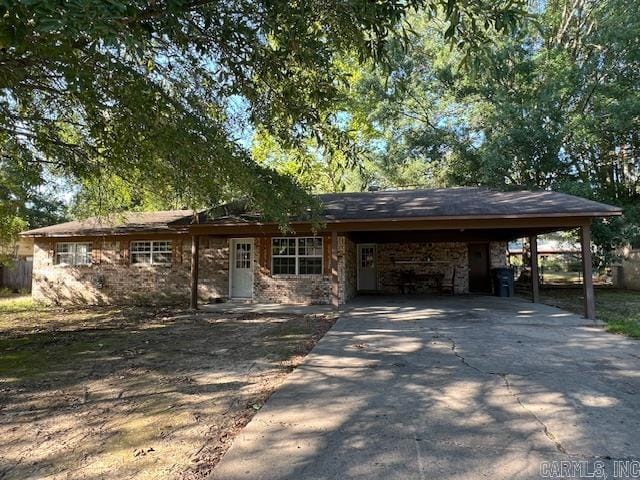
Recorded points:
(457, 202)
(117, 224)
(462, 202)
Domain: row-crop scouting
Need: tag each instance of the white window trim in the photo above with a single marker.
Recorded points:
(73, 254)
(297, 257)
(151, 252)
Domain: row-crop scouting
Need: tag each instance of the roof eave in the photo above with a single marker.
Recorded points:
(120, 233)
(417, 219)
(175, 227)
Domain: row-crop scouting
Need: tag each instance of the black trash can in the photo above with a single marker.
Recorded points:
(502, 281)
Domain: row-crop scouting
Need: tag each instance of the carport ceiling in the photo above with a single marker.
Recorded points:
(457, 235)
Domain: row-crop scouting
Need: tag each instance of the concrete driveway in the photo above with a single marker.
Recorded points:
(449, 388)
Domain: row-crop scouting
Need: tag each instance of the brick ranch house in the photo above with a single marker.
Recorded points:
(391, 242)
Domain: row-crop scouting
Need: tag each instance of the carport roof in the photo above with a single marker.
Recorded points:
(458, 202)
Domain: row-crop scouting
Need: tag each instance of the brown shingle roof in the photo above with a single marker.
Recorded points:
(458, 202)
(126, 223)
(461, 202)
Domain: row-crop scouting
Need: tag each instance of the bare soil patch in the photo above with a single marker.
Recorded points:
(136, 393)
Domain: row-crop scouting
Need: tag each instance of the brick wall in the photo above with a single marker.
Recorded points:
(112, 280)
(315, 289)
(213, 274)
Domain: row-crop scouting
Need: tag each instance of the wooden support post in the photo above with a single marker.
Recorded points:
(195, 254)
(334, 269)
(535, 285)
(587, 273)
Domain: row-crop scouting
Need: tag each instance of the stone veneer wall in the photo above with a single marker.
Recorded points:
(431, 257)
(422, 258)
(112, 280)
(349, 272)
(498, 255)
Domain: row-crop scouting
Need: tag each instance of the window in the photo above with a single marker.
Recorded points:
(151, 252)
(73, 253)
(297, 256)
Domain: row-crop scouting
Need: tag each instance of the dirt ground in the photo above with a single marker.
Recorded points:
(136, 393)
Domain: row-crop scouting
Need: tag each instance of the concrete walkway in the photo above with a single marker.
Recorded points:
(448, 388)
(252, 307)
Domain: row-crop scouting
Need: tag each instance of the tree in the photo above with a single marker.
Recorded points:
(161, 97)
(553, 105)
(23, 203)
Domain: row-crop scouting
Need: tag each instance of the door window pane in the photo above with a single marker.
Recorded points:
(367, 257)
(243, 255)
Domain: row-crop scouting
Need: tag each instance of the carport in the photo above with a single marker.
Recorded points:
(478, 235)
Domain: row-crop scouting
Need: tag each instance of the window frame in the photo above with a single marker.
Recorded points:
(297, 256)
(73, 254)
(151, 252)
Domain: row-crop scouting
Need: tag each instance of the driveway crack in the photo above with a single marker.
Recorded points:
(544, 426)
(505, 378)
(464, 360)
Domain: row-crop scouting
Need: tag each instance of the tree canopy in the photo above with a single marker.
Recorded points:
(156, 101)
(189, 103)
(553, 104)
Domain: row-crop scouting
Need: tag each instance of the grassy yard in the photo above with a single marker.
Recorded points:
(620, 309)
(135, 393)
(563, 278)
(571, 278)
(11, 303)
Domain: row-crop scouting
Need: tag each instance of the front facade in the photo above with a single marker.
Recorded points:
(394, 243)
(107, 270)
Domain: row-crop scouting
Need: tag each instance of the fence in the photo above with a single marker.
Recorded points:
(627, 274)
(17, 275)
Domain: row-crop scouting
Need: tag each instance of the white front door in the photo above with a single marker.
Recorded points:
(241, 270)
(367, 272)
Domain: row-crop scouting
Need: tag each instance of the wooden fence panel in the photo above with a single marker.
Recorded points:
(17, 275)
